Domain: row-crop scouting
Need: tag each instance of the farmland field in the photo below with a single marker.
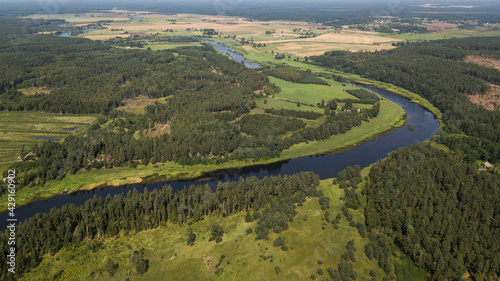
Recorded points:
(297, 38)
(19, 128)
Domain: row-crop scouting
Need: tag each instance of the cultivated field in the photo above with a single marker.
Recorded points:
(281, 36)
(22, 128)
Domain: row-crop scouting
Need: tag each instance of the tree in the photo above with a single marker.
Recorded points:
(248, 217)
(216, 233)
(141, 266)
(191, 237)
(348, 105)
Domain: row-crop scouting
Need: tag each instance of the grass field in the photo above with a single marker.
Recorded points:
(390, 116)
(277, 103)
(312, 93)
(18, 128)
(284, 37)
(138, 104)
(447, 34)
(171, 259)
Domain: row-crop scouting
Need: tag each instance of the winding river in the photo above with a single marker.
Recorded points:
(424, 125)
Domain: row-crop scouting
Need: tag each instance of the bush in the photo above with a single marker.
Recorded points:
(111, 267)
(373, 273)
(277, 270)
(320, 262)
(304, 217)
(249, 230)
(216, 233)
(320, 271)
(324, 202)
(313, 277)
(284, 248)
(280, 241)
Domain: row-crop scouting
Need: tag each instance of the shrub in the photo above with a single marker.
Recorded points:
(280, 241)
(320, 262)
(277, 269)
(304, 217)
(320, 271)
(111, 267)
(249, 230)
(216, 233)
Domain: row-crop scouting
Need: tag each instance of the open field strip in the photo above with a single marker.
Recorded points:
(23, 128)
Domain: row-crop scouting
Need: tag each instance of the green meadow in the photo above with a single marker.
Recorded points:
(312, 93)
(22, 128)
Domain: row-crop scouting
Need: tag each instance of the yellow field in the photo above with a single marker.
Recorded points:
(284, 37)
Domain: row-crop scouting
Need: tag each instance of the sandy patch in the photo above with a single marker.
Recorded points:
(35, 90)
(437, 26)
(345, 37)
(249, 48)
(484, 61)
(210, 263)
(490, 100)
(138, 104)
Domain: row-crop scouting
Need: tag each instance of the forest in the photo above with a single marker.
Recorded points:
(74, 226)
(429, 200)
(202, 94)
(438, 210)
(435, 205)
(435, 70)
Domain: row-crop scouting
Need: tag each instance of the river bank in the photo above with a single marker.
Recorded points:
(154, 176)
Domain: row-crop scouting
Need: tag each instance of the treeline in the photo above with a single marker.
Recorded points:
(333, 125)
(262, 125)
(293, 74)
(311, 115)
(363, 94)
(434, 70)
(73, 226)
(441, 212)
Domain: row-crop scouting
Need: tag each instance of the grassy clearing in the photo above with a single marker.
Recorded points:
(312, 93)
(277, 103)
(166, 46)
(138, 104)
(447, 34)
(390, 116)
(400, 91)
(171, 259)
(18, 128)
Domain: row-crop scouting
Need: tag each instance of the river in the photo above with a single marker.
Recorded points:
(424, 125)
